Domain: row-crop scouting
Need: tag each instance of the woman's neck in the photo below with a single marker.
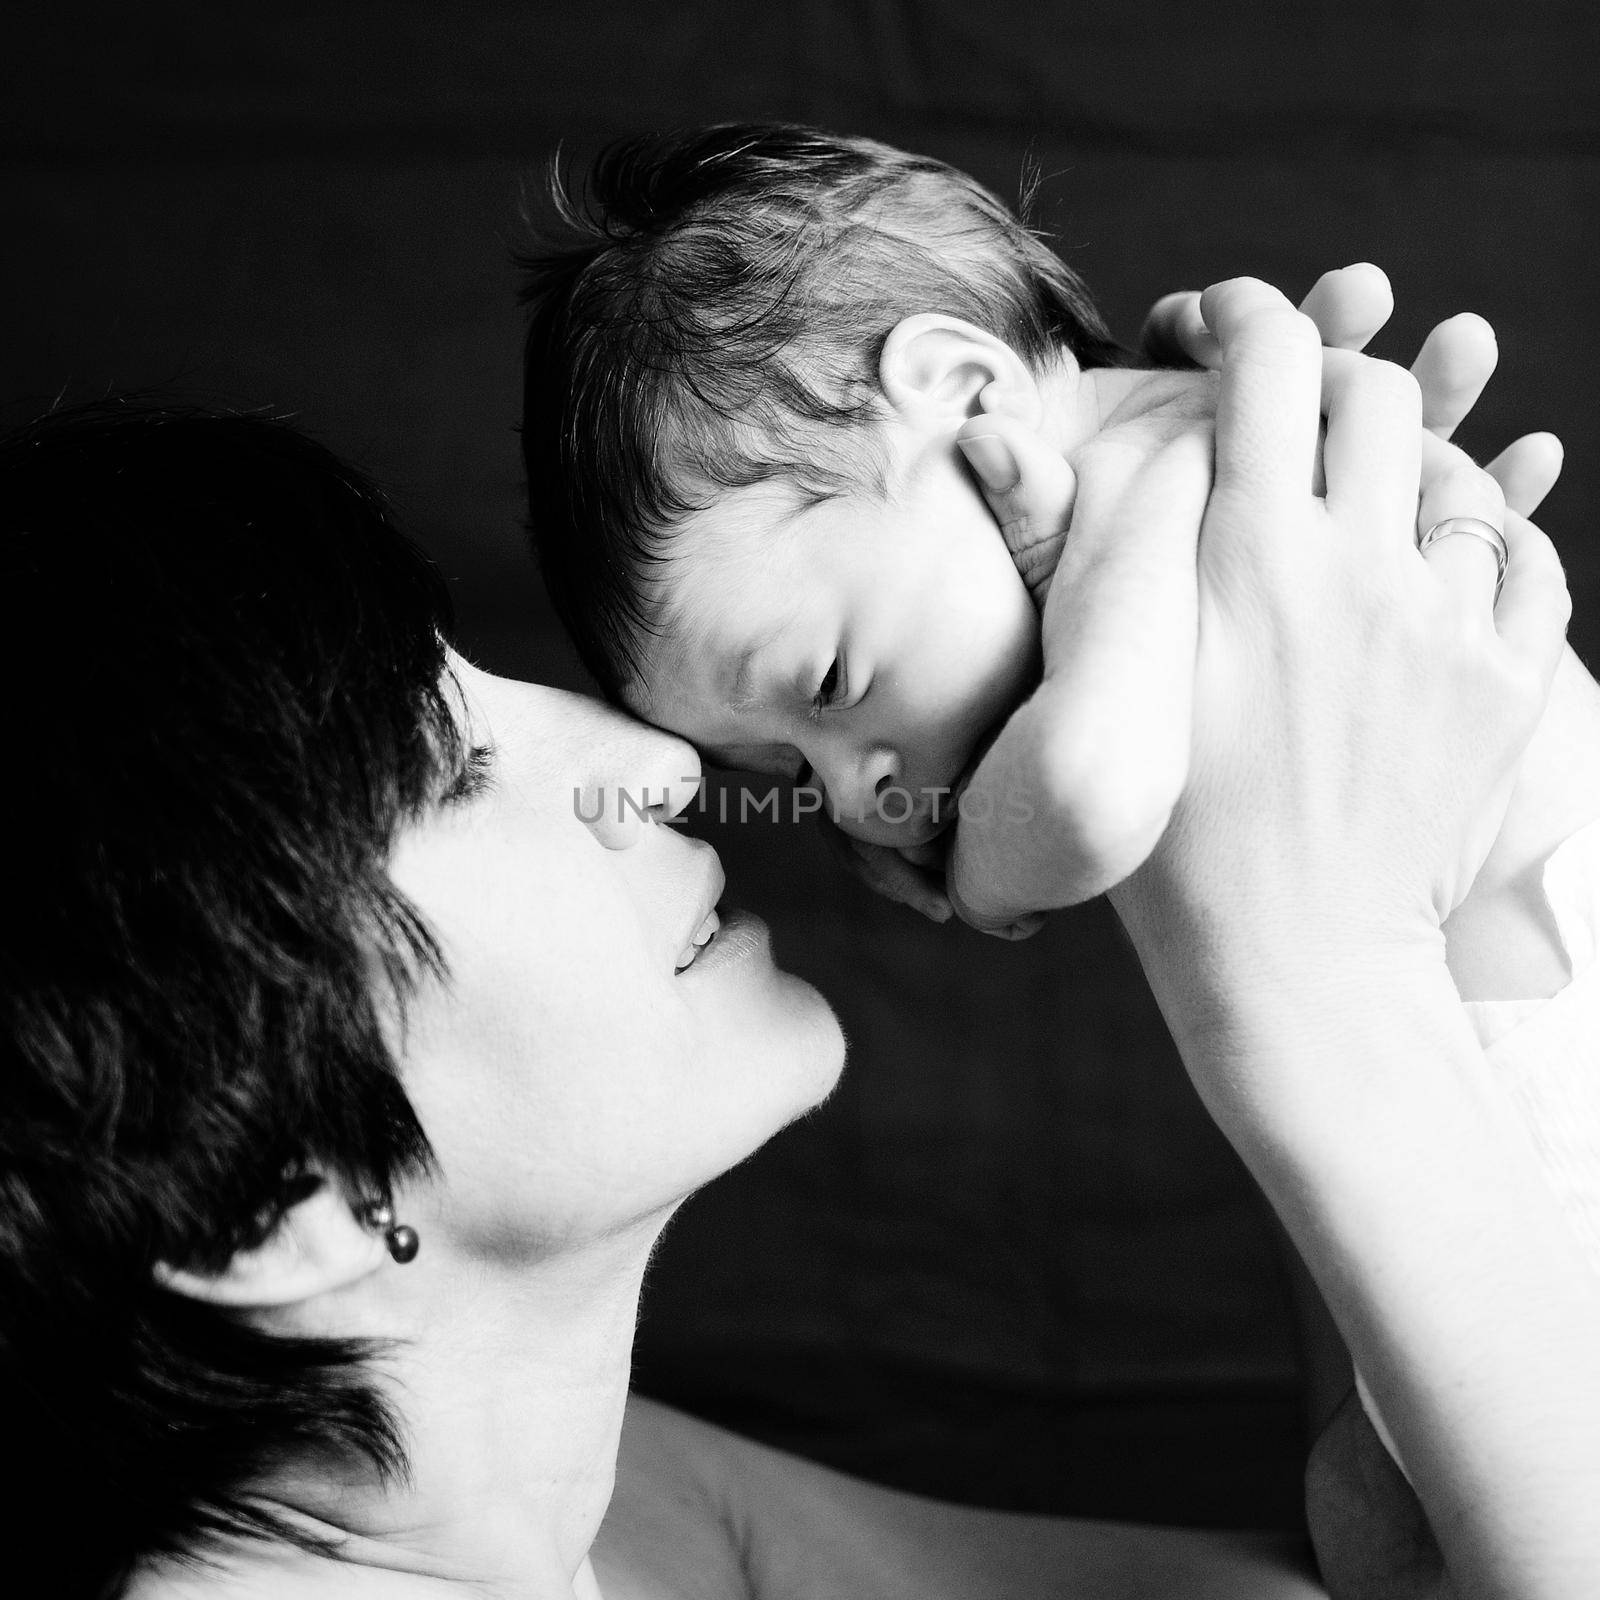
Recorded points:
(511, 1386)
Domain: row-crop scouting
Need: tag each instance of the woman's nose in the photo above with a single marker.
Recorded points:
(637, 776)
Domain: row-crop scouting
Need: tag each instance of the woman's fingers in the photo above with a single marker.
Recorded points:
(1023, 927)
(1175, 334)
(1267, 408)
(1534, 607)
(1029, 489)
(1455, 362)
(1458, 526)
(887, 872)
(1372, 453)
(1527, 470)
(1350, 305)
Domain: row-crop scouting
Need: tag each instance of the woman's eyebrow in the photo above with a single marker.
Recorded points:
(477, 771)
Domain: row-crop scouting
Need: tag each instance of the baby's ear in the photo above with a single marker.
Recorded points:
(936, 371)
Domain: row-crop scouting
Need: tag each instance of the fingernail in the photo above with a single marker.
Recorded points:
(991, 459)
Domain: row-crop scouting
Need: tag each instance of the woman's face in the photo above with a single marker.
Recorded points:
(571, 1077)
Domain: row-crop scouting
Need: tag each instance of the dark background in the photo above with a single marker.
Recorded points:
(1010, 1262)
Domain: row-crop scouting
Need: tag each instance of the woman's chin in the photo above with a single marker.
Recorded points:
(806, 1056)
(828, 1054)
(779, 1036)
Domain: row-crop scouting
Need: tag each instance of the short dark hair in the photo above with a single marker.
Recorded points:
(226, 697)
(708, 313)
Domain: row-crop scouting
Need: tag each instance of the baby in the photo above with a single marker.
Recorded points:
(748, 363)
(744, 384)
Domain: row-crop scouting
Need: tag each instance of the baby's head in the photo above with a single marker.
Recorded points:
(749, 353)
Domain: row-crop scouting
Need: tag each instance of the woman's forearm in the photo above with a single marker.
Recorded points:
(1359, 1099)
(1359, 716)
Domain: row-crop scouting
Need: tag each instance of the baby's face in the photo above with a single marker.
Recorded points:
(876, 640)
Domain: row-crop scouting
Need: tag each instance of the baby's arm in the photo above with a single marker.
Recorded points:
(1079, 784)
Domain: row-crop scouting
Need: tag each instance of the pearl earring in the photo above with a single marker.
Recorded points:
(402, 1241)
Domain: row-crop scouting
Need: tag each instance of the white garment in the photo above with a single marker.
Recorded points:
(1546, 1053)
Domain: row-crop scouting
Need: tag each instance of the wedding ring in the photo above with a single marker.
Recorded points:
(1473, 528)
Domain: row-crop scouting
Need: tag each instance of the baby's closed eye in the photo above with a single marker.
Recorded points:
(831, 687)
(830, 683)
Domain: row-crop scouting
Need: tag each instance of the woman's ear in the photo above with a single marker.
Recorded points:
(936, 371)
(319, 1244)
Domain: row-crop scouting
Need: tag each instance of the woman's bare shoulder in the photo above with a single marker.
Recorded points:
(702, 1512)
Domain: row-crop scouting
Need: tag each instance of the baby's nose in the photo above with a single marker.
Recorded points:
(865, 790)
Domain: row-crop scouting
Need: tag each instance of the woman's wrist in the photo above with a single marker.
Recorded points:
(1365, 1110)
(1240, 948)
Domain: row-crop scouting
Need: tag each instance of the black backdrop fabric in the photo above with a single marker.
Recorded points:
(1010, 1262)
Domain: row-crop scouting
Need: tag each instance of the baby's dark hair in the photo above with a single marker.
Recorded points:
(708, 313)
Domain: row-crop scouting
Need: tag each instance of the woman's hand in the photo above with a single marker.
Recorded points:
(1079, 783)
(1029, 489)
(1349, 306)
(1385, 693)
(1100, 750)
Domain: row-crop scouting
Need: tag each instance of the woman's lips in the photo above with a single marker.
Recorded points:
(703, 929)
(739, 935)
(702, 936)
